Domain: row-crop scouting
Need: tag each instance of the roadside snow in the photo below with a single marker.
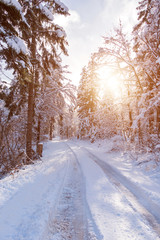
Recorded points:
(27, 197)
(144, 173)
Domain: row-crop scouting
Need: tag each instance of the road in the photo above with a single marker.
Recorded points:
(73, 194)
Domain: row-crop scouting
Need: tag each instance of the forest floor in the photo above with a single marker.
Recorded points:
(81, 191)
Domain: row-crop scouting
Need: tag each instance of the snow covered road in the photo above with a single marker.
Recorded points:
(72, 194)
(117, 212)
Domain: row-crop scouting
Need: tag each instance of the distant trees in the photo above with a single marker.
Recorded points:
(87, 99)
(118, 55)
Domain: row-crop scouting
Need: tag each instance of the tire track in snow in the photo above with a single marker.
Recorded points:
(91, 230)
(149, 210)
(68, 219)
(48, 232)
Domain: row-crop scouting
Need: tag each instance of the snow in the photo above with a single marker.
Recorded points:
(121, 218)
(121, 221)
(17, 44)
(2, 30)
(17, 5)
(60, 33)
(22, 63)
(62, 6)
(157, 146)
(2, 104)
(158, 60)
(27, 196)
(14, 3)
(141, 172)
(70, 195)
(46, 11)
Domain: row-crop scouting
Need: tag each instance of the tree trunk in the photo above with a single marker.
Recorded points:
(61, 125)
(130, 121)
(38, 131)
(139, 130)
(30, 116)
(158, 122)
(51, 128)
(29, 122)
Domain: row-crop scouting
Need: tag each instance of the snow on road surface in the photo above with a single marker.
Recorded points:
(70, 195)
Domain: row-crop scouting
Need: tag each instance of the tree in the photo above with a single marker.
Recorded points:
(35, 43)
(117, 55)
(87, 99)
(45, 38)
(56, 94)
(147, 49)
(13, 50)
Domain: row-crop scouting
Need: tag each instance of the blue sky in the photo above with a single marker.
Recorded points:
(88, 22)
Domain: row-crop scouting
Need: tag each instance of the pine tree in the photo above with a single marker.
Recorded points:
(14, 56)
(13, 25)
(35, 43)
(147, 48)
(87, 99)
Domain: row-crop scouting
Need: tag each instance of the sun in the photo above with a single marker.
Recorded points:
(110, 82)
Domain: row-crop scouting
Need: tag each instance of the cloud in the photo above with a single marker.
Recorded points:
(74, 17)
(124, 10)
(68, 21)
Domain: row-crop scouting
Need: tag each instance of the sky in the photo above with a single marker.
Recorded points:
(88, 22)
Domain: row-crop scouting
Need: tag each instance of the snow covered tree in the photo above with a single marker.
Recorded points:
(12, 134)
(117, 55)
(13, 51)
(43, 43)
(14, 56)
(29, 35)
(56, 94)
(147, 49)
(87, 99)
(137, 63)
(106, 120)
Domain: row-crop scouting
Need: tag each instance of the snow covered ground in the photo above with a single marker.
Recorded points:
(81, 191)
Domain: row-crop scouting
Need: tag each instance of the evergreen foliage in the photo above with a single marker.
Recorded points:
(87, 99)
(31, 45)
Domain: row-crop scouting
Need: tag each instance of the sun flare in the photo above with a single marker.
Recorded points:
(110, 83)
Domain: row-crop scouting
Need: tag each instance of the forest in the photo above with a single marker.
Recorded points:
(118, 92)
